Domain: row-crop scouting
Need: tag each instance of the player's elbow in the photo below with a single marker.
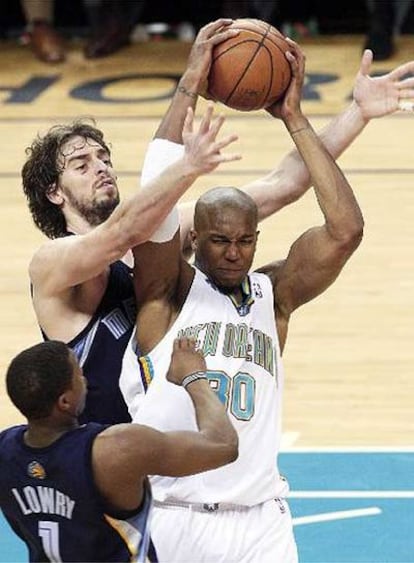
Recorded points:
(350, 238)
(348, 229)
(232, 447)
(355, 234)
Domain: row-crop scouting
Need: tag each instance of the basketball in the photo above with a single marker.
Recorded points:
(250, 71)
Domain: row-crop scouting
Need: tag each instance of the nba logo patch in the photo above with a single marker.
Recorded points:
(257, 290)
(36, 470)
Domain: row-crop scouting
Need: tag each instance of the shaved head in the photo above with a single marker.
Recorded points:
(211, 205)
(224, 236)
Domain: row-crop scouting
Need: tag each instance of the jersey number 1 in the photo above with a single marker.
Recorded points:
(49, 534)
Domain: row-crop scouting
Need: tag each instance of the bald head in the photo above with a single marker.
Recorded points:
(224, 236)
(216, 201)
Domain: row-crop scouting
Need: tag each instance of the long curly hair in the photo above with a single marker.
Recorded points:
(40, 172)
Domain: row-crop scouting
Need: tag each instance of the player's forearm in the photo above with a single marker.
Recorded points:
(343, 129)
(291, 179)
(136, 219)
(336, 136)
(211, 416)
(336, 199)
(185, 96)
(281, 187)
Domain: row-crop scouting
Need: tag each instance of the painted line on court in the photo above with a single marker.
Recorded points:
(351, 494)
(338, 515)
(348, 449)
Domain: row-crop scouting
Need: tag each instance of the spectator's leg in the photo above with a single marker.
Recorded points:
(111, 23)
(402, 7)
(380, 28)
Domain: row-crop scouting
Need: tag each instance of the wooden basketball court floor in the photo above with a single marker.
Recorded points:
(350, 353)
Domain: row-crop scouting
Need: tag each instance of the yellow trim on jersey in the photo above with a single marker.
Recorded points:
(130, 535)
(146, 369)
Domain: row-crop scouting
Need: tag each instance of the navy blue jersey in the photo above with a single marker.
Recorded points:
(49, 498)
(100, 347)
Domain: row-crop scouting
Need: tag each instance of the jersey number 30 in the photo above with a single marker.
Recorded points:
(237, 394)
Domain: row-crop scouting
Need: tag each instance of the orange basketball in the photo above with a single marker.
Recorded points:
(250, 71)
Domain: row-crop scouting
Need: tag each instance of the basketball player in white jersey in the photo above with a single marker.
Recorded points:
(240, 320)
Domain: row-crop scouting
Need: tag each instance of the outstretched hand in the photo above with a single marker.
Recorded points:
(202, 148)
(185, 359)
(383, 95)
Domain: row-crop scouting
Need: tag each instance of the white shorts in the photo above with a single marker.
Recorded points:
(258, 534)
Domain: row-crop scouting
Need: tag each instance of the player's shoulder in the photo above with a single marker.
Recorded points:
(39, 258)
(271, 270)
(48, 251)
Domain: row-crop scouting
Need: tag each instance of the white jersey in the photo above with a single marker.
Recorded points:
(242, 352)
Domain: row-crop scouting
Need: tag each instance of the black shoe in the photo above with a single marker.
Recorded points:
(381, 44)
(108, 41)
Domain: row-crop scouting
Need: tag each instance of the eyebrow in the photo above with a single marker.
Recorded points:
(226, 237)
(84, 156)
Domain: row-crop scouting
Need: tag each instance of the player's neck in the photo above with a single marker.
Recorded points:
(41, 434)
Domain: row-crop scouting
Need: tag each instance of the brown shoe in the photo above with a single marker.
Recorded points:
(46, 43)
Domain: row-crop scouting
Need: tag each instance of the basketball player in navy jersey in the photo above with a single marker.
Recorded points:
(237, 513)
(76, 492)
(81, 280)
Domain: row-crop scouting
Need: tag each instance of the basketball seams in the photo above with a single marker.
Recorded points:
(272, 74)
(286, 78)
(260, 44)
(248, 68)
(245, 77)
(234, 46)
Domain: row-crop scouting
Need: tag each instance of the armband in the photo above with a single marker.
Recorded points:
(160, 154)
(193, 377)
(168, 227)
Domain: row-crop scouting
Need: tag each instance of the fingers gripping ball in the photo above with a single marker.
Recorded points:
(250, 71)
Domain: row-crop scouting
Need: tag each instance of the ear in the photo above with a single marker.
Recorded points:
(63, 403)
(193, 239)
(54, 194)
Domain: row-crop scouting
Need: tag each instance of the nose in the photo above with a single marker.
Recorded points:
(100, 165)
(232, 252)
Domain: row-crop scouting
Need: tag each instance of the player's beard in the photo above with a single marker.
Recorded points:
(94, 212)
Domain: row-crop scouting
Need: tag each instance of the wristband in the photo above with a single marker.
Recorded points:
(168, 227)
(193, 377)
(160, 154)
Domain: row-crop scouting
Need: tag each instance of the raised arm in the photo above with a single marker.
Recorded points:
(194, 79)
(373, 97)
(124, 454)
(167, 145)
(316, 258)
(158, 264)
